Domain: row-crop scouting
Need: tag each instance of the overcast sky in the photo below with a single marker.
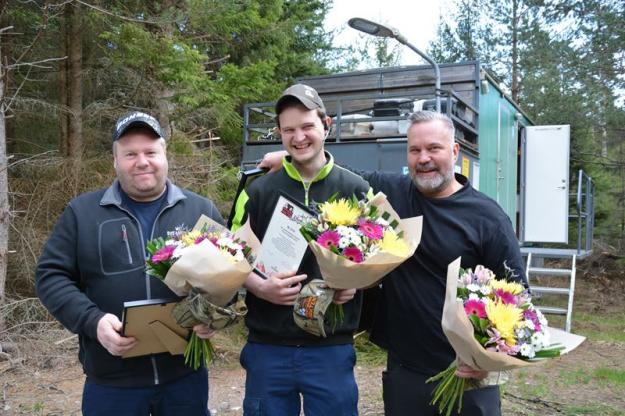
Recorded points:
(416, 20)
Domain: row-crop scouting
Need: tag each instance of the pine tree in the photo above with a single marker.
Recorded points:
(463, 35)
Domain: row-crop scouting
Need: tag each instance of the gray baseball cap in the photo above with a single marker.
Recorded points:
(304, 94)
(136, 118)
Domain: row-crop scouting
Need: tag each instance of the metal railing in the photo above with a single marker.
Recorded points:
(585, 212)
(362, 103)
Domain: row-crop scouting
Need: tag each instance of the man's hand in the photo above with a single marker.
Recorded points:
(272, 160)
(203, 331)
(464, 371)
(342, 296)
(280, 289)
(108, 335)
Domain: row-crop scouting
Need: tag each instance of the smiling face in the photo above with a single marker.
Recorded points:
(303, 137)
(140, 162)
(432, 154)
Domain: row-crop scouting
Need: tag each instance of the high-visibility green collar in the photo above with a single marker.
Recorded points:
(292, 171)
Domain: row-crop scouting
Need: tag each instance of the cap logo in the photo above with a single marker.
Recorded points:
(146, 118)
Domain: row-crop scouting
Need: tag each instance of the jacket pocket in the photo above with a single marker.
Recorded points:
(120, 247)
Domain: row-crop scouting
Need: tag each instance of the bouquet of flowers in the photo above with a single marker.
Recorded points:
(492, 324)
(208, 265)
(357, 242)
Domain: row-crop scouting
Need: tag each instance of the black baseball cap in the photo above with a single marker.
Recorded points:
(304, 94)
(136, 118)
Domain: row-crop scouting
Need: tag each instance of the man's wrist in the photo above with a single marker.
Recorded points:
(91, 326)
(253, 283)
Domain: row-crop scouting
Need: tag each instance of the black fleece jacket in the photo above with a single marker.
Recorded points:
(94, 261)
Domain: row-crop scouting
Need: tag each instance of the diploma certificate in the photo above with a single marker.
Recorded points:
(283, 246)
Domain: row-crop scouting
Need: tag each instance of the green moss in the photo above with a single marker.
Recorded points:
(610, 375)
(593, 409)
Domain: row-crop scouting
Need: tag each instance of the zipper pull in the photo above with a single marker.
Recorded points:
(125, 240)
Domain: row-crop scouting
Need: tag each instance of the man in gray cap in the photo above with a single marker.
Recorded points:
(94, 261)
(284, 363)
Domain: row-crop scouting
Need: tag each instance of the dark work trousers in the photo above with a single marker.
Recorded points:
(280, 377)
(187, 396)
(407, 394)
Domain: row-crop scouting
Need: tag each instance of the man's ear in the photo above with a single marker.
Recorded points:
(327, 122)
(456, 150)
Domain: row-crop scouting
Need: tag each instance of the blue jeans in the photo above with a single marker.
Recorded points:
(278, 375)
(187, 396)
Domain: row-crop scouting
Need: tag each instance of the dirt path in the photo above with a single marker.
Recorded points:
(57, 391)
(566, 386)
(563, 386)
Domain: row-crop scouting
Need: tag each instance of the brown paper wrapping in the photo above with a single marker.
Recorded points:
(204, 267)
(341, 273)
(459, 332)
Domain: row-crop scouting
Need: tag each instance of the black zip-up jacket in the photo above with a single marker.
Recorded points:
(466, 223)
(94, 261)
(273, 324)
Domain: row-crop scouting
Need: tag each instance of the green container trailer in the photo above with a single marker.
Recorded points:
(525, 168)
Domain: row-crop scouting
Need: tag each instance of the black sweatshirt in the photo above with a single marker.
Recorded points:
(467, 224)
(94, 261)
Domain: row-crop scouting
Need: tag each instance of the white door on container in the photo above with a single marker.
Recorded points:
(546, 180)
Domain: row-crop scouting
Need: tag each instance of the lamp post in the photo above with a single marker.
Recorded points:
(376, 29)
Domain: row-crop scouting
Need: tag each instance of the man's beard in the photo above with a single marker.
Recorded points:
(432, 185)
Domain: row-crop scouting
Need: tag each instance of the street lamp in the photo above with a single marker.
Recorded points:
(376, 29)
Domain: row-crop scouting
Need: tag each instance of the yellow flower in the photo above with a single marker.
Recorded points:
(189, 238)
(392, 244)
(505, 318)
(339, 212)
(510, 287)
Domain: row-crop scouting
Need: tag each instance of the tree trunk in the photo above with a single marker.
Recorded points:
(4, 200)
(163, 94)
(63, 76)
(75, 139)
(515, 51)
(165, 108)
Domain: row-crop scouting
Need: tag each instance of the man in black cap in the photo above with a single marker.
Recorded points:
(284, 363)
(94, 261)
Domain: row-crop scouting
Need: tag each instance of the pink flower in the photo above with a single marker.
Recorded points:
(505, 297)
(483, 275)
(353, 254)
(466, 278)
(498, 344)
(523, 298)
(163, 254)
(370, 229)
(531, 315)
(328, 239)
(475, 307)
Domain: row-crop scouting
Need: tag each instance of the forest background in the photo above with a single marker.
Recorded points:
(69, 68)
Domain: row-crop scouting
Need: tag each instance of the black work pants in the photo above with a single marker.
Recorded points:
(407, 394)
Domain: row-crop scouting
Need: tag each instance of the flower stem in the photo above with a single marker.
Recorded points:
(449, 391)
(198, 350)
(335, 315)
